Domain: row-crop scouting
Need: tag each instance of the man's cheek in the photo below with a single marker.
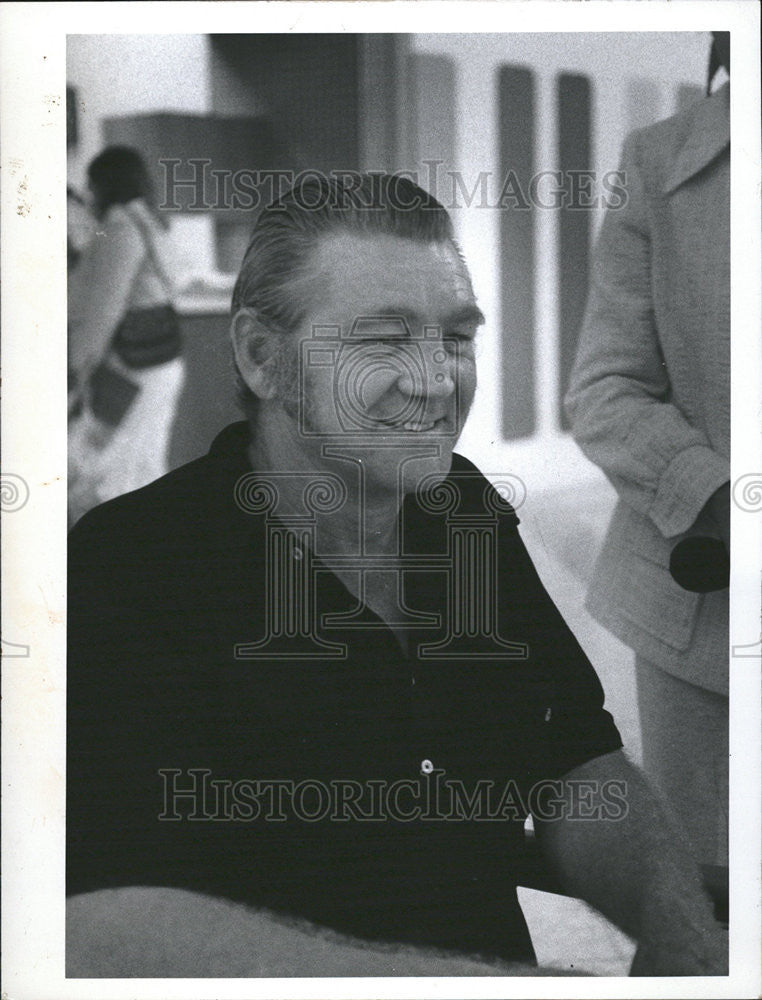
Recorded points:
(291, 377)
(466, 388)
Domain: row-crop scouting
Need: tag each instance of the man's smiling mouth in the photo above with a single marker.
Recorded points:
(417, 428)
(414, 426)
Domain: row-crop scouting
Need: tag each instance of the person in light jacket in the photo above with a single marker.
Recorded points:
(649, 402)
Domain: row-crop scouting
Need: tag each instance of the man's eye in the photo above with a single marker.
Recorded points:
(466, 334)
(459, 337)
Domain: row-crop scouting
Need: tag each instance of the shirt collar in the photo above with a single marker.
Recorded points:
(232, 495)
(228, 464)
(233, 476)
(708, 136)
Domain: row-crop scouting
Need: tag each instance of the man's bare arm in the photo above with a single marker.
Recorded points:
(638, 871)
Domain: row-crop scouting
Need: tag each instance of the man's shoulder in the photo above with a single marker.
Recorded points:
(463, 466)
(154, 508)
(479, 493)
(173, 510)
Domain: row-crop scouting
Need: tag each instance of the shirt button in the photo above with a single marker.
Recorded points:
(426, 766)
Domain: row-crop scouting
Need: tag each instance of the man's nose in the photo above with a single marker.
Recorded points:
(432, 371)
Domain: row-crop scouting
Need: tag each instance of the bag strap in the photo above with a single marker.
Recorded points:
(150, 246)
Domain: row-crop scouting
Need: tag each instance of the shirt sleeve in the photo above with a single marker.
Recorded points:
(570, 724)
(618, 400)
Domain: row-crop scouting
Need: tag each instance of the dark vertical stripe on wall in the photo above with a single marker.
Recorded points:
(431, 103)
(516, 110)
(575, 218)
(382, 101)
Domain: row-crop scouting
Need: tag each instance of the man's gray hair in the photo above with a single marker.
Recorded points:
(287, 231)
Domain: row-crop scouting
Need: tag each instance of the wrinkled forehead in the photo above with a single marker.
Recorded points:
(358, 274)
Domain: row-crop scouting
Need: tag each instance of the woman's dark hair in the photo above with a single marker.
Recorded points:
(118, 175)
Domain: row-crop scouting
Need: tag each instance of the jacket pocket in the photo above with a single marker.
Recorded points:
(632, 585)
(650, 599)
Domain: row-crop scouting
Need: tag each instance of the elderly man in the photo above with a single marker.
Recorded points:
(314, 679)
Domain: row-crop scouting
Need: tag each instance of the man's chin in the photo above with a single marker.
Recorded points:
(392, 464)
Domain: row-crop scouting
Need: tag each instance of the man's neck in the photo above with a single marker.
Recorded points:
(360, 524)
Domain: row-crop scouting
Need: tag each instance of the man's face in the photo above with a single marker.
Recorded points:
(386, 356)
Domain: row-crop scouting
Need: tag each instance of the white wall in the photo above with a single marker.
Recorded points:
(568, 501)
(130, 74)
(124, 74)
(133, 74)
(621, 67)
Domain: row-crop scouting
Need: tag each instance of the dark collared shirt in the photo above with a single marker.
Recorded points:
(168, 582)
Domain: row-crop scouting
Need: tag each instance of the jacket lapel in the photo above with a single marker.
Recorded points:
(707, 138)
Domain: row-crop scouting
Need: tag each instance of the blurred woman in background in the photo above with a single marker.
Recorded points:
(125, 365)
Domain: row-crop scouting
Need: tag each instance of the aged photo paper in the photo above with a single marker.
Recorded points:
(357, 699)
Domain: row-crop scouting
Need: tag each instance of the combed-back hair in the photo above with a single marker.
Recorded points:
(287, 231)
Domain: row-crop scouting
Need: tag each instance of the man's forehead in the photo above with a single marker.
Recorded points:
(378, 271)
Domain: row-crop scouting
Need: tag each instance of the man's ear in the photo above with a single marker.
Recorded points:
(255, 349)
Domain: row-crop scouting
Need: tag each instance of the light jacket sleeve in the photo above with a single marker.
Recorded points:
(100, 289)
(618, 400)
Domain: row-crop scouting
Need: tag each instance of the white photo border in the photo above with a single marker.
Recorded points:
(33, 117)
